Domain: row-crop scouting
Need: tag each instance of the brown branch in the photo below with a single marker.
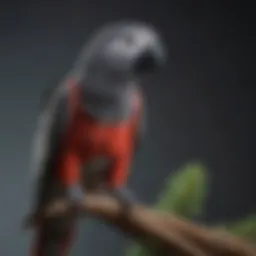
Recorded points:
(174, 235)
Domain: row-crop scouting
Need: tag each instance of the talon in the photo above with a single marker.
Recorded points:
(126, 199)
(75, 208)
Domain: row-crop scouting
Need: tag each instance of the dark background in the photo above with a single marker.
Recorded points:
(201, 106)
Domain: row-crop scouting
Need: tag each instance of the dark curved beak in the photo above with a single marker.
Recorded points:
(150, 61)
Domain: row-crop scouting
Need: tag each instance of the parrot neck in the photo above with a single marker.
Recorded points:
(109, 103)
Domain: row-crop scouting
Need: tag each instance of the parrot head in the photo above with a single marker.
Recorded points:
(121, 51)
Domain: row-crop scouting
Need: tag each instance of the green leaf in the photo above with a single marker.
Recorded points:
(139, 250)
(184, 191)
(245, 228)
(184, 194)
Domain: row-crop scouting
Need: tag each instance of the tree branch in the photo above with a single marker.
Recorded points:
(174, 235)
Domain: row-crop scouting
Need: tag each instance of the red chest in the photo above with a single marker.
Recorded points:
(92, 138)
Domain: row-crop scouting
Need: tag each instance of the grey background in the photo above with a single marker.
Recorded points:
(201, 106)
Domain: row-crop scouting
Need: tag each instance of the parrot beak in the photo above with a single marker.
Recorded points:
(149, 62)
(145, 64)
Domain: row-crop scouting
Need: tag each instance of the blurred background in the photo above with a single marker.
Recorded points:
(201, 106)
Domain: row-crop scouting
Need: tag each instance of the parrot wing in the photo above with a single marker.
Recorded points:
(50, 128)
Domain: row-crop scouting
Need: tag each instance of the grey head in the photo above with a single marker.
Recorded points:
(117, 56)
(122, 51)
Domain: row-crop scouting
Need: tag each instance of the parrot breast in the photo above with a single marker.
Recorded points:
(94, 172)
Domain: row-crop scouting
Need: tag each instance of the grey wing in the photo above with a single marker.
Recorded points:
(50, 128)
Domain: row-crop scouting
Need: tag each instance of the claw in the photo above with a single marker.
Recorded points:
(125, 197)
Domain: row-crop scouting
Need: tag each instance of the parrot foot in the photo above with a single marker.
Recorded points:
(76, 196)
(76, 193)
(126, 198)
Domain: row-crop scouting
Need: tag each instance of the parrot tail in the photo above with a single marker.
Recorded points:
(53, 239)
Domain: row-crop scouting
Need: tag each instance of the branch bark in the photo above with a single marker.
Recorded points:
(174, 235)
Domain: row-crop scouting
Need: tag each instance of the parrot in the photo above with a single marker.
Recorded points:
(91, 124)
